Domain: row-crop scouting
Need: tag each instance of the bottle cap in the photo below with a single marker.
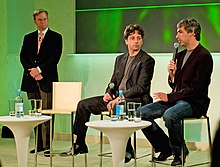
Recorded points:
(19, 91)
(120, 93)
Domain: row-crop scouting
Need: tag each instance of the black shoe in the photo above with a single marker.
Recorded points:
(83, 149)
(163, 156)
(67, 153)
(177, 159)
(47, 153)
(77, 150)
(38, 150)
(129, 156)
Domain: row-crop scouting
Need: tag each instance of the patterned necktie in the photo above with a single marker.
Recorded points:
(40, 39)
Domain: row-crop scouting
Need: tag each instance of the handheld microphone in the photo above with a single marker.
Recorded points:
(176, 46)
(112, 90)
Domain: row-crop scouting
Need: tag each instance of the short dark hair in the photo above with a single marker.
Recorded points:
(38, 11)
(130, 29)
(191, 25)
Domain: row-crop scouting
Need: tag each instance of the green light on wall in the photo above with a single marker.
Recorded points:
(110, 34)
(142, 15)
(167, 35)
(149, 7)
(214, 18)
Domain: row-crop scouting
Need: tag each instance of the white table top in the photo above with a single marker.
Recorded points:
(117, 124)
(26, 118)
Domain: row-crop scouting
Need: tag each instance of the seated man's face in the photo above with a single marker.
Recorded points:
(134, 41)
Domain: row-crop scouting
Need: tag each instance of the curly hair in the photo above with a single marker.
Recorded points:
(131, 28)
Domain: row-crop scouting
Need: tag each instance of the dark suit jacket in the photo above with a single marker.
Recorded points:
(192, 81)
(139, 77)
(47, 59)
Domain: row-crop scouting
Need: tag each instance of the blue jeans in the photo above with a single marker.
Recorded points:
(172, 115)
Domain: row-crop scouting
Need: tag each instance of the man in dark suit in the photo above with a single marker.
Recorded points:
(132, 74)
(189, 78)
(40, 54)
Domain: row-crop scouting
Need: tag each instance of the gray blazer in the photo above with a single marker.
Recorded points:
(139, 77)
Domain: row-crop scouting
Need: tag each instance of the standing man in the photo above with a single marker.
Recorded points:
(40, 54)
(132, 74)
(189, 78)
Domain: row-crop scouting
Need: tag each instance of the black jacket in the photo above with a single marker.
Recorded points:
(47, 59)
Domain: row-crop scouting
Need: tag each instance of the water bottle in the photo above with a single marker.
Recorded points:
(19, 105)
(121, 106)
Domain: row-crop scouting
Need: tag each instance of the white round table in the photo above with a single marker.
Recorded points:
(22, 128)
(118, 133)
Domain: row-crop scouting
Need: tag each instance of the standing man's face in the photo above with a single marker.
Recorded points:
(41, 21)
(134, 41)
(183, 36)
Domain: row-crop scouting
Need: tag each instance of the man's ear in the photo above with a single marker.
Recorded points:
(126, 41)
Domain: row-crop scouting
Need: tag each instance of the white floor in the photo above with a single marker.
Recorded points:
(8, 156)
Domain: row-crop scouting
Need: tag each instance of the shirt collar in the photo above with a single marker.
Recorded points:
(44, 32)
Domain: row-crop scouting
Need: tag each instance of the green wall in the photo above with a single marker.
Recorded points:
(16, 20)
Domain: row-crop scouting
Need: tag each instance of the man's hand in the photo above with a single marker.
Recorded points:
(34, 72)
(107, 97)
(111, 104)
(160, 96)
(38, 77)
(172, 69)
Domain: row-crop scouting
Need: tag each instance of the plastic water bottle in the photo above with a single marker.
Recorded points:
(19, 105)
(121, 106)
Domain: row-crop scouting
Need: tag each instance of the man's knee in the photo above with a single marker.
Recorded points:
(167, 117)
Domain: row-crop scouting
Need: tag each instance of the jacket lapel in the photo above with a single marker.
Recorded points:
(192, 56)
(122, 66)
(35, 41)
(46, 36)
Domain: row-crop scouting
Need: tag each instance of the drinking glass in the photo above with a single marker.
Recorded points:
(113, 113)
(32, 107)
(38, 107)
(130, 109)
(137, 113)
(11, 107)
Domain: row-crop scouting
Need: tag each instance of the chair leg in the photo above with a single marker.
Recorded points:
(209, 135)
(72, 137)
(183, 144)
(135, 152)
(86, 160)
(51, 137)
(36, 143)
(153, 163)
(101, 144)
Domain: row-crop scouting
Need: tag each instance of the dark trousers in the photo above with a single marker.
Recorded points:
(94, 105)
(44, 128)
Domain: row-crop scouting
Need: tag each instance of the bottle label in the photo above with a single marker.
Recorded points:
(19, 107)
(119, 110)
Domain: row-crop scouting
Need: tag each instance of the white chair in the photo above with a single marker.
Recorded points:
(66, 96)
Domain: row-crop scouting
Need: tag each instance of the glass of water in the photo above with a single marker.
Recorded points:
(11, 107)
(137, 112)
(32, 107)
(130, 109)
(38, 107)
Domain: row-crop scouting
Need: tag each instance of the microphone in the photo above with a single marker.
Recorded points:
(176, 46)
(112, 90)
